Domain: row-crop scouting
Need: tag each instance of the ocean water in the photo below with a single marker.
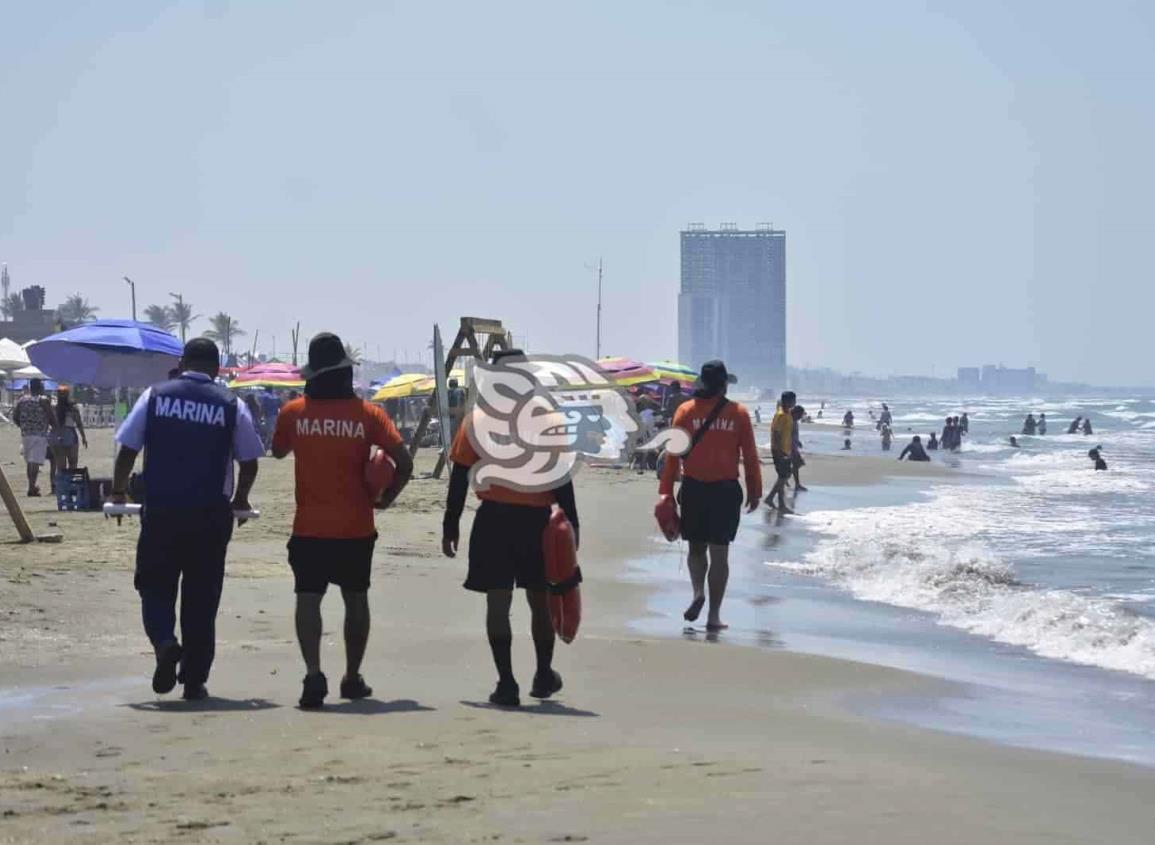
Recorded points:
(1033, 548)
(1024, 576)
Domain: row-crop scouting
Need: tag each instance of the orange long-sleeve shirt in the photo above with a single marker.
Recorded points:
(728, 443)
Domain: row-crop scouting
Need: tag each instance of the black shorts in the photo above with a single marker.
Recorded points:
(711, 511)
(505, 548)
(783, 466)
(318, 562)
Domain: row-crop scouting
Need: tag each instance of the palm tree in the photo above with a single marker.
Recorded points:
(224, 330)
(160, 316)
(182, 317)
(12, 305)
(353, 353)
(76, 310)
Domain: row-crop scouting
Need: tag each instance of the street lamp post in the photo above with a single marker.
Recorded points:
(132, 285)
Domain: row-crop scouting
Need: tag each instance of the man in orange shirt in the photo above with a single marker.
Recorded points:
(331, 431)
(505, 551)
(710, 496)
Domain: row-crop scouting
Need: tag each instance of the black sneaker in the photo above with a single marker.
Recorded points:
(164, 676)
(195, 692)
(507, 694)
(355, 687)
(546, 685)
(314, 692)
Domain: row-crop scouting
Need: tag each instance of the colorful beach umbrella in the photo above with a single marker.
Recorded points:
(107, 353)
(625, 372)
(673, 371)
(411, 384)
(272, 374)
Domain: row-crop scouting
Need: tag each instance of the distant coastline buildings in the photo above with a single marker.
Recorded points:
(732, 303)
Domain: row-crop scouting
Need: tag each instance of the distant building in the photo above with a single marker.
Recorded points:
(1000, 379)
(30, 320)
(732, 303)
(969, 378)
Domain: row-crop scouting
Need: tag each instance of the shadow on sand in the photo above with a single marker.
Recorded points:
(212, 704)
(371, 707)
(540, 708)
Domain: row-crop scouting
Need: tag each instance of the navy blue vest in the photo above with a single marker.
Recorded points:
(188, 444)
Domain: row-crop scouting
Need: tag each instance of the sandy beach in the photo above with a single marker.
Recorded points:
(654, 739)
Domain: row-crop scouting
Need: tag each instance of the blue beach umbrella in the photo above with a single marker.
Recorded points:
(108, 353)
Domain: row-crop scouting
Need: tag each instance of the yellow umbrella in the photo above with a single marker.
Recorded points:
(411, 384)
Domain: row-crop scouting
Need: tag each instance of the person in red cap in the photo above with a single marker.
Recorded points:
(710, 495)
(331, 432)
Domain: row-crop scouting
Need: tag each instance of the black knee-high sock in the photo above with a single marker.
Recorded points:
(502, 648)
(543, 641)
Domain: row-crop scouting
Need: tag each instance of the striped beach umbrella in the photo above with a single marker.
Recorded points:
(625, 372)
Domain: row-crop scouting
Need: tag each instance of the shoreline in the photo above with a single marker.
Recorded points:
(623, 755)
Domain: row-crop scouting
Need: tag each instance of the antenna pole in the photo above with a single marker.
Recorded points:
(598, 347)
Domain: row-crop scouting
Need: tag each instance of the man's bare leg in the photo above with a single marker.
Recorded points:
(698, 564)
(719, 576)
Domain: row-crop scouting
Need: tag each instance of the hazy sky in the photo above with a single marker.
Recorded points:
(960, 182)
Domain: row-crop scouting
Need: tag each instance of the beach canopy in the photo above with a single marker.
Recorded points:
(272, 374)
(411, 384)
(625, 372)
(107, 353)
(12, 355)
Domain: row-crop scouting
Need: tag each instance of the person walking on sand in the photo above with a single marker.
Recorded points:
(67, 431)
(33, 416)
(191, 431)
(781, 447)
(331, 432)
(914, 450)
(797, 414)
(722, 439)
(506, 552)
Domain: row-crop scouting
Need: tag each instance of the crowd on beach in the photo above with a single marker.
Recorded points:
(192, 431)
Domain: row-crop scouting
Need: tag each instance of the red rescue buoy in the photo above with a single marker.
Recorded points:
(379, 473)
(563, 575)
(666, 513)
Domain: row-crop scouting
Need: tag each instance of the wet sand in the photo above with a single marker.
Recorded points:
(653, 740)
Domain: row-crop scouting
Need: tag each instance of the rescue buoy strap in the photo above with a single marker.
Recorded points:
(563, 587)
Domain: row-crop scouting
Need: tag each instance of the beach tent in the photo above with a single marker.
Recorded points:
(12, 355)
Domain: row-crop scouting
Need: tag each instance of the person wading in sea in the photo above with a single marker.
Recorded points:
(722, 441)
(331, 432)
(191, 431)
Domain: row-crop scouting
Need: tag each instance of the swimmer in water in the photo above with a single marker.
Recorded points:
(915, 450)
(1014, 442)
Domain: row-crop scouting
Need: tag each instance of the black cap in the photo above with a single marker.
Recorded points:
(715, 377)
(326, 353)
(202, 349)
